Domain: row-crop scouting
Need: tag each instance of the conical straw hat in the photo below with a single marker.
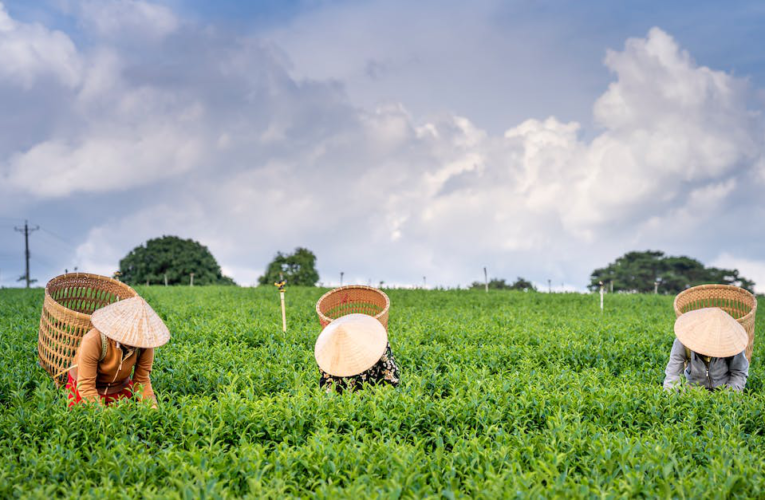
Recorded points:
(350, 345)
(711, 332)
(131, 322)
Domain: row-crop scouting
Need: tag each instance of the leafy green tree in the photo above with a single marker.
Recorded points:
(175, 257)
(522, 284)
(640, 271)
(501, 284)
(298, 268)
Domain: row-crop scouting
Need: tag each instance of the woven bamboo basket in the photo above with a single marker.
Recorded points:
(70, 299)
(737, 302)
(353, 299)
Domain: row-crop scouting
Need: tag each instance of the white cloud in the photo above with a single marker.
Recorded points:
(670, 127)
(135, 19)
(228, 147)
(138, 156)
(496, 62)
(29, 52)
(749, 268)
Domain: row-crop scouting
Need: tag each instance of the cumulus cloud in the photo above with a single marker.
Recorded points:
(227, 146)
(749, 268)
(136, 19)
(32, 51)
(670, 125)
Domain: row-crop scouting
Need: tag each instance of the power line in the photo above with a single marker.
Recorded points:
(59, 238)
(26, 230)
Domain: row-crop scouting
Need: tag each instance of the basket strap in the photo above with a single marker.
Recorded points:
(104, 347)
(64, 371)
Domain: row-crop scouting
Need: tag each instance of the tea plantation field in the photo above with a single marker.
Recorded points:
(502, 395)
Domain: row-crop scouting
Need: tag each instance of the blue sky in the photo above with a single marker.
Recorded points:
(395, 139)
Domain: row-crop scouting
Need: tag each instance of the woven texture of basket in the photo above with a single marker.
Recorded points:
(353, 299)
(70, 299)
(736, 301)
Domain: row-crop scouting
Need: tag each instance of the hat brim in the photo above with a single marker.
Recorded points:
(711, 332)
(350, 345)
(131, 322)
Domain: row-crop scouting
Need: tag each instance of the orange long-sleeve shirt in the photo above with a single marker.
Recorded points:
(94, 377)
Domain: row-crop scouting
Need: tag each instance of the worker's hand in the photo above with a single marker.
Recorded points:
(676, 388)
(151, 401)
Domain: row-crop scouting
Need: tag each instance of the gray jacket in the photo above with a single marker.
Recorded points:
(731, 372)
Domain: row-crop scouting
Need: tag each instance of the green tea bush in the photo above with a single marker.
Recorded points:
(506, 394)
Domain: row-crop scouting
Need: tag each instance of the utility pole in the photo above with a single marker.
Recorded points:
(341, 278)
(486, 279)
(424, 283)
(549, 286)
(26, 230)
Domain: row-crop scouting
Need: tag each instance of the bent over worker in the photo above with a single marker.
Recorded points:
(121, 343)
(352, 351)
(709, 349)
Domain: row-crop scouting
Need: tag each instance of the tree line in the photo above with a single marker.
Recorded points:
(174, 259)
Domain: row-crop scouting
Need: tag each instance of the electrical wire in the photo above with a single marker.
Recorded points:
(59, 238)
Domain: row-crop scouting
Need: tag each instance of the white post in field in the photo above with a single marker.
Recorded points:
(165, 279)
(601, 296)
(281, 285)
(284, 313)
(486, 279)
(191, 279)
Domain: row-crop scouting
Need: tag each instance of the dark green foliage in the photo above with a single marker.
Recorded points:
(500, 284)
(639, 272)
(503, 395)
(177, 258)
(298, 268)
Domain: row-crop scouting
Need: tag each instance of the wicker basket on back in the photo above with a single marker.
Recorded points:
(353, 299)
(70, 299)
(736, 301)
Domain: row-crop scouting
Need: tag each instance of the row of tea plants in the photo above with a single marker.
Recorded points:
(503, 394)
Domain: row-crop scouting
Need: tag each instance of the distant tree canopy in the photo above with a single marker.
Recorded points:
(638, 272)
(177, 258)
(500, 284)
(298, 268)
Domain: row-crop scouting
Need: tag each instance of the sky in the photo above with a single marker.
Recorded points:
(399, 141)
